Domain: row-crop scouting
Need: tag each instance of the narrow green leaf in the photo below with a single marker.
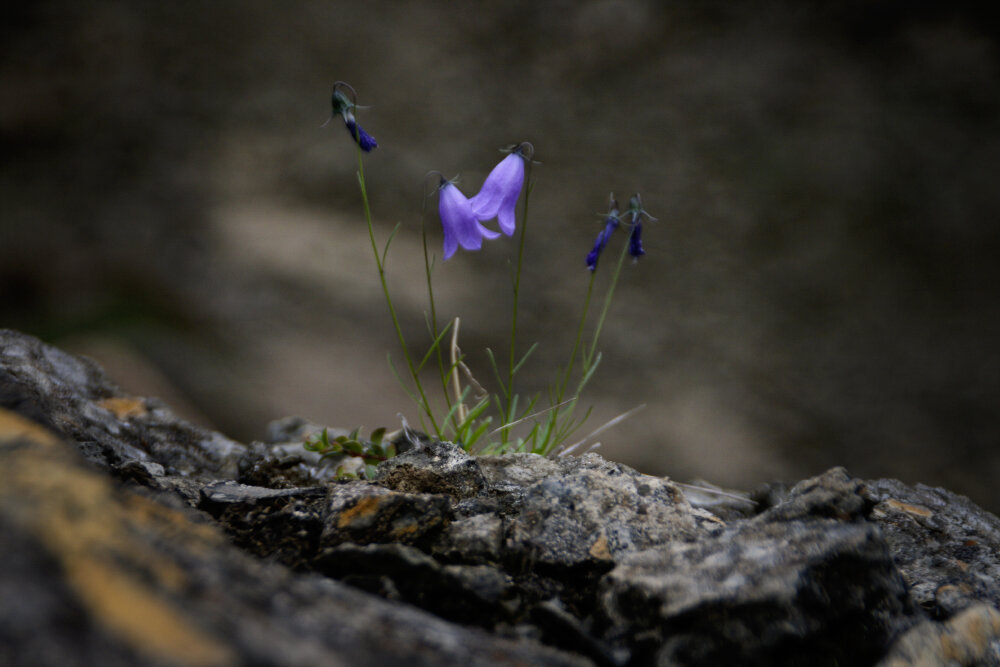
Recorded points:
(496, 370)
(479, 408)
(434, 346)
(525, 357)
(392, 235)
(590, 372)
(399, 379)
(530, 406)
(478, 433)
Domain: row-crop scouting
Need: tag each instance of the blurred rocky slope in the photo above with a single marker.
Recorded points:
(820, 288)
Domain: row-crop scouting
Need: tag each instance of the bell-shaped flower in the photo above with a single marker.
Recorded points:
(343, 105)
(501, 189)
(611, 223)
(461, 226)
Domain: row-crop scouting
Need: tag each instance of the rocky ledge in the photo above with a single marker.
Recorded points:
(132, 537)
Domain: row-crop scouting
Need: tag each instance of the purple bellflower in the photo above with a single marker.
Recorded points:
(344, 106)
(611, 223)
(501, 189)
(459, 220)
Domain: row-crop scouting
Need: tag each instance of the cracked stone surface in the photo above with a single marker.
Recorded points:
(132, 537)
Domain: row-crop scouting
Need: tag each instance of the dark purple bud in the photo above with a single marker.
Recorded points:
(344, 106)
(635, 241)
(635, 248)
(365, 140)
(610, 225)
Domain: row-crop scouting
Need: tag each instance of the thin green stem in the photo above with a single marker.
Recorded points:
(425, 404)
(509, 390)
(550, 433)
(561, 391)
(588, 356)
(433, 310)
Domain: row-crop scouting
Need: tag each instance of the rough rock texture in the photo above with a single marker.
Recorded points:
(131, 537)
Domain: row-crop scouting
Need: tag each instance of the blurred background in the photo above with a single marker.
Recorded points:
(821, 286)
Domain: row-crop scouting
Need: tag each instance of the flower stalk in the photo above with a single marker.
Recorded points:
(464, 224)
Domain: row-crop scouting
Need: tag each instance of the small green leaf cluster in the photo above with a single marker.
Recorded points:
(370, 451)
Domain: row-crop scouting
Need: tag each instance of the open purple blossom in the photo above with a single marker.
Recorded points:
(501, 189)
(343, 105)
(461, 226)
(611, 223)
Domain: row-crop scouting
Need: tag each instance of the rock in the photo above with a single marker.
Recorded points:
(71, 396)
(94, 574)
(590, 512)
(946, 547)
(972, 637)
(816, 592)
(364, 513)
(834, 495)
(510, 476)
(475, 539)
(132, 537)
(434, 467)
(467, 594)
(283, 524)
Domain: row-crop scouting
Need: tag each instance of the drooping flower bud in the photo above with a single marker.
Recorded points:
(611, 223)
(635, 248)
(344, 106)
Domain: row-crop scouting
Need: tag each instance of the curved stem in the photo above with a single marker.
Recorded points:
(425, 404)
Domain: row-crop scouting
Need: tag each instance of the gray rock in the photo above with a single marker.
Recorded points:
(467, 594)
(972, 637)
(71, 396)
(591, 512)
(564, 562)
(96, 574)
(364, 513)
(834, 495)
(510, 476)
(946, 547)
(475, 539)
(228, 493)
(809, 592)
(434, 467)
